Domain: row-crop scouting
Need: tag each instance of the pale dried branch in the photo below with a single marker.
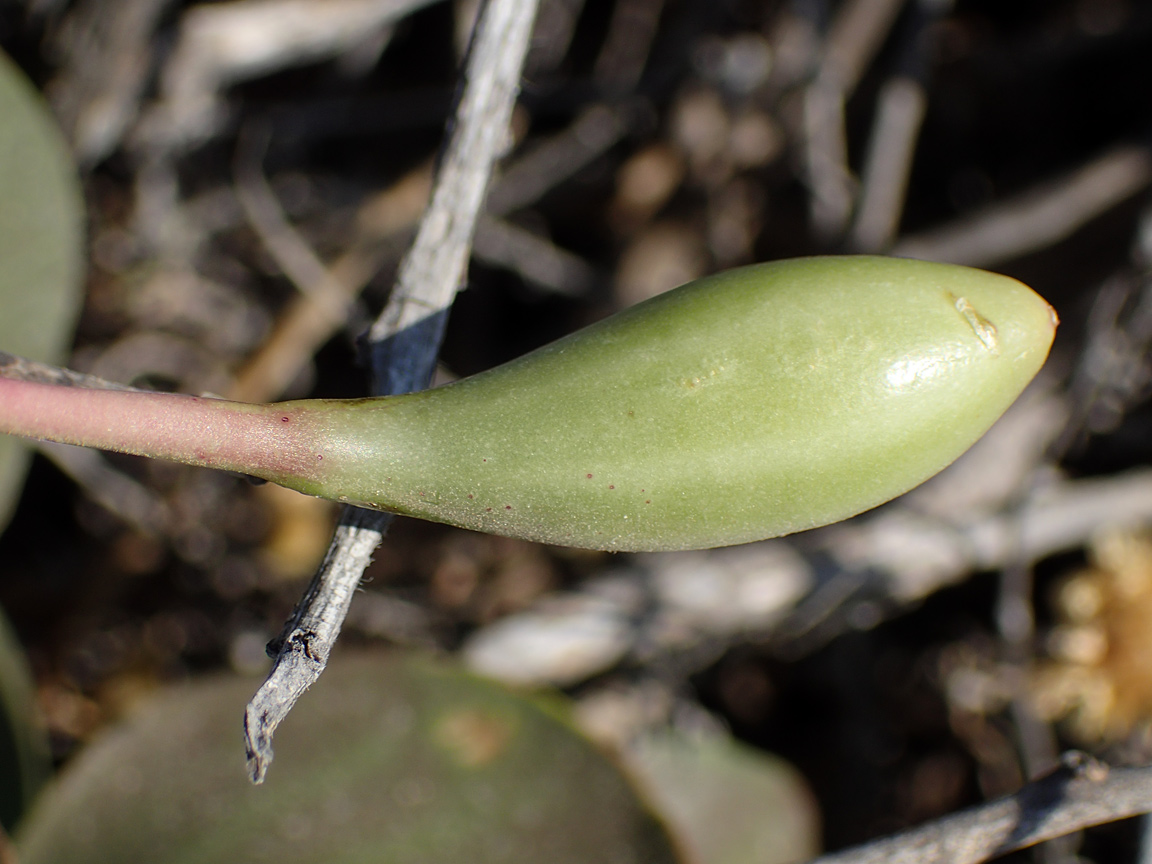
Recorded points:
(856, 35)
(830, 182)
(433, 271)
(1079, 794)
(109, 50)
(403, 346)
(627, 45)
(1038, 218)
(292, 253)
(536, 259)
(901, 106)
(23, 369)
(884, 184)
(554, 160)
(316, 314)
(308, 323)
(221, 44)
(854, 39)
(113, 490)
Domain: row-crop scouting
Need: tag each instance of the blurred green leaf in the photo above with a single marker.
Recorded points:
(385, 760)
(726, 802)
(24, 759)
(41, 245)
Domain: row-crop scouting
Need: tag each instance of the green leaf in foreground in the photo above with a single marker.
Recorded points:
(393, 760)
(726, 802)
(24, 759)
(751, 404)
(41, 214)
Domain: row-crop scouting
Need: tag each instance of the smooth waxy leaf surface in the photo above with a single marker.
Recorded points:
(41, 214)
(754, 403)
(726, 802)
(750, 404)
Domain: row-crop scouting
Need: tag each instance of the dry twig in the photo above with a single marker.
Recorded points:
(903, 103)
(113, 490)
(320, 309)
(537, 259)
(1036, 219)
(853, 40)
(1079, 794)
(324, 299)
(403, 345)
(24, 369)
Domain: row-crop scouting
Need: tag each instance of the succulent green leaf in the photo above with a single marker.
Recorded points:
(755, 403)
(750, 404)
(394, 761)
(726, 802)
(41, 214)
(24, 759)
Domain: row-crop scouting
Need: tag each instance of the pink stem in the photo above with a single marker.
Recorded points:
(270, 441)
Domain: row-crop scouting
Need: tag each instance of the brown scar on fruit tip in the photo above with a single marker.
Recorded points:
(984, 329)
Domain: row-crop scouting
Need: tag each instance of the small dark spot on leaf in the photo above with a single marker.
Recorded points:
(610, 486)
(283, 419)
(589, 476)
(647, 502)
(469, 497)
(507, 506)
(488, 510)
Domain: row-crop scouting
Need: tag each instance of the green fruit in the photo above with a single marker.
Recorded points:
(750, 404)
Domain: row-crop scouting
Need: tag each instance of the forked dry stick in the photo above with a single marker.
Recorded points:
(403, 345)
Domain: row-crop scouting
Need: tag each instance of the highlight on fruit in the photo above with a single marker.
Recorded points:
(750, 404)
